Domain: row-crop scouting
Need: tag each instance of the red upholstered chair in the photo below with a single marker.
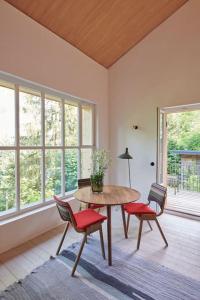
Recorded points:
(143, 211)
(84, 183)
(86, 222)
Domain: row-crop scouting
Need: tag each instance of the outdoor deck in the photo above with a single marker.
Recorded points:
(184, 201)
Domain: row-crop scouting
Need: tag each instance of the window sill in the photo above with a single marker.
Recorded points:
(29, 211)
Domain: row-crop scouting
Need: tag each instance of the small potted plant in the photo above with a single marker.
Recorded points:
(100, 163)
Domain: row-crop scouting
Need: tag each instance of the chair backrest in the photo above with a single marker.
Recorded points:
(158, 194)
(81, 184)
(65, 211)
(84, 182)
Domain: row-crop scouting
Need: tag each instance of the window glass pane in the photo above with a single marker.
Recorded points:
(30, 177)
(7, 180)
(71, 169)
(30, 119)
(30, 135)
(52, 123)
(7, 116)
(86, 155)
(87, 138)
(52, 173)
(71, 125)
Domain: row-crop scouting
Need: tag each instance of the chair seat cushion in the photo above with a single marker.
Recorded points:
(88, 217)
(138, 209)
(95, 206)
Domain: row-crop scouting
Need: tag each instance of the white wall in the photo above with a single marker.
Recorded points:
(22, 228)
(162, 70)
(32, 52)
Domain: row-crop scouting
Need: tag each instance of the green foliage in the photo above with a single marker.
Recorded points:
(100, 161)
(30, 177)
(97, 182)
(30, 160)
(52, 173)
(97, 178)
(30, 117)
(71, 167)
(7, 180)
(184, 134)
(184, 131)
(173, 160)
(71, 125)
(52, 123)
(193, 183)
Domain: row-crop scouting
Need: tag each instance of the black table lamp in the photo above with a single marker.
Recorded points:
(127, 156)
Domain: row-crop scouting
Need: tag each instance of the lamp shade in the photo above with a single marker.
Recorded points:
(125, 155)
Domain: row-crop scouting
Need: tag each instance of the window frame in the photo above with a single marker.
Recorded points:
(63, 98)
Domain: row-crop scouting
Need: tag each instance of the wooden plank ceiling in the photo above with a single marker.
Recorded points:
(102, 29)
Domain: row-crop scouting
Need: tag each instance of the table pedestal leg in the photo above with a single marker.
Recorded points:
(109, 235)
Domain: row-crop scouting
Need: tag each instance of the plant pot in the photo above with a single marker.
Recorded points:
(96, 183)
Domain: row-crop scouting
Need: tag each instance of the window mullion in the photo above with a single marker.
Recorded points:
(43, 144)
(43, 148)
(79, 138)
(93, 126)
(80, 124)
(63, 147)
(17, 154)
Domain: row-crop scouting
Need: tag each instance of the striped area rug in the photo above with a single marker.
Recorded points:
(130, 277)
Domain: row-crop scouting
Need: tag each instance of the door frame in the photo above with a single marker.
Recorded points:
(165, 111)
(161, 165)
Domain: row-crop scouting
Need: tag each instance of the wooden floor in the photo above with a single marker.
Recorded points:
(183, 201)
(182, 255)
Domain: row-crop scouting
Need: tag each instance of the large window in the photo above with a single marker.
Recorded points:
(46, 143)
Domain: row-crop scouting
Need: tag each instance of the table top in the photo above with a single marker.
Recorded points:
(111, 195)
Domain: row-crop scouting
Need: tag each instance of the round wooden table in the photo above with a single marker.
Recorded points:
(111, 195)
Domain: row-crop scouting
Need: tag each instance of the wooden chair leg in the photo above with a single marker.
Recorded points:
(139, 234)
(124, 221)
(149, 225)
(161, 232)
(62, 239)
(128, 221)
(79, 255)
(102, 243)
